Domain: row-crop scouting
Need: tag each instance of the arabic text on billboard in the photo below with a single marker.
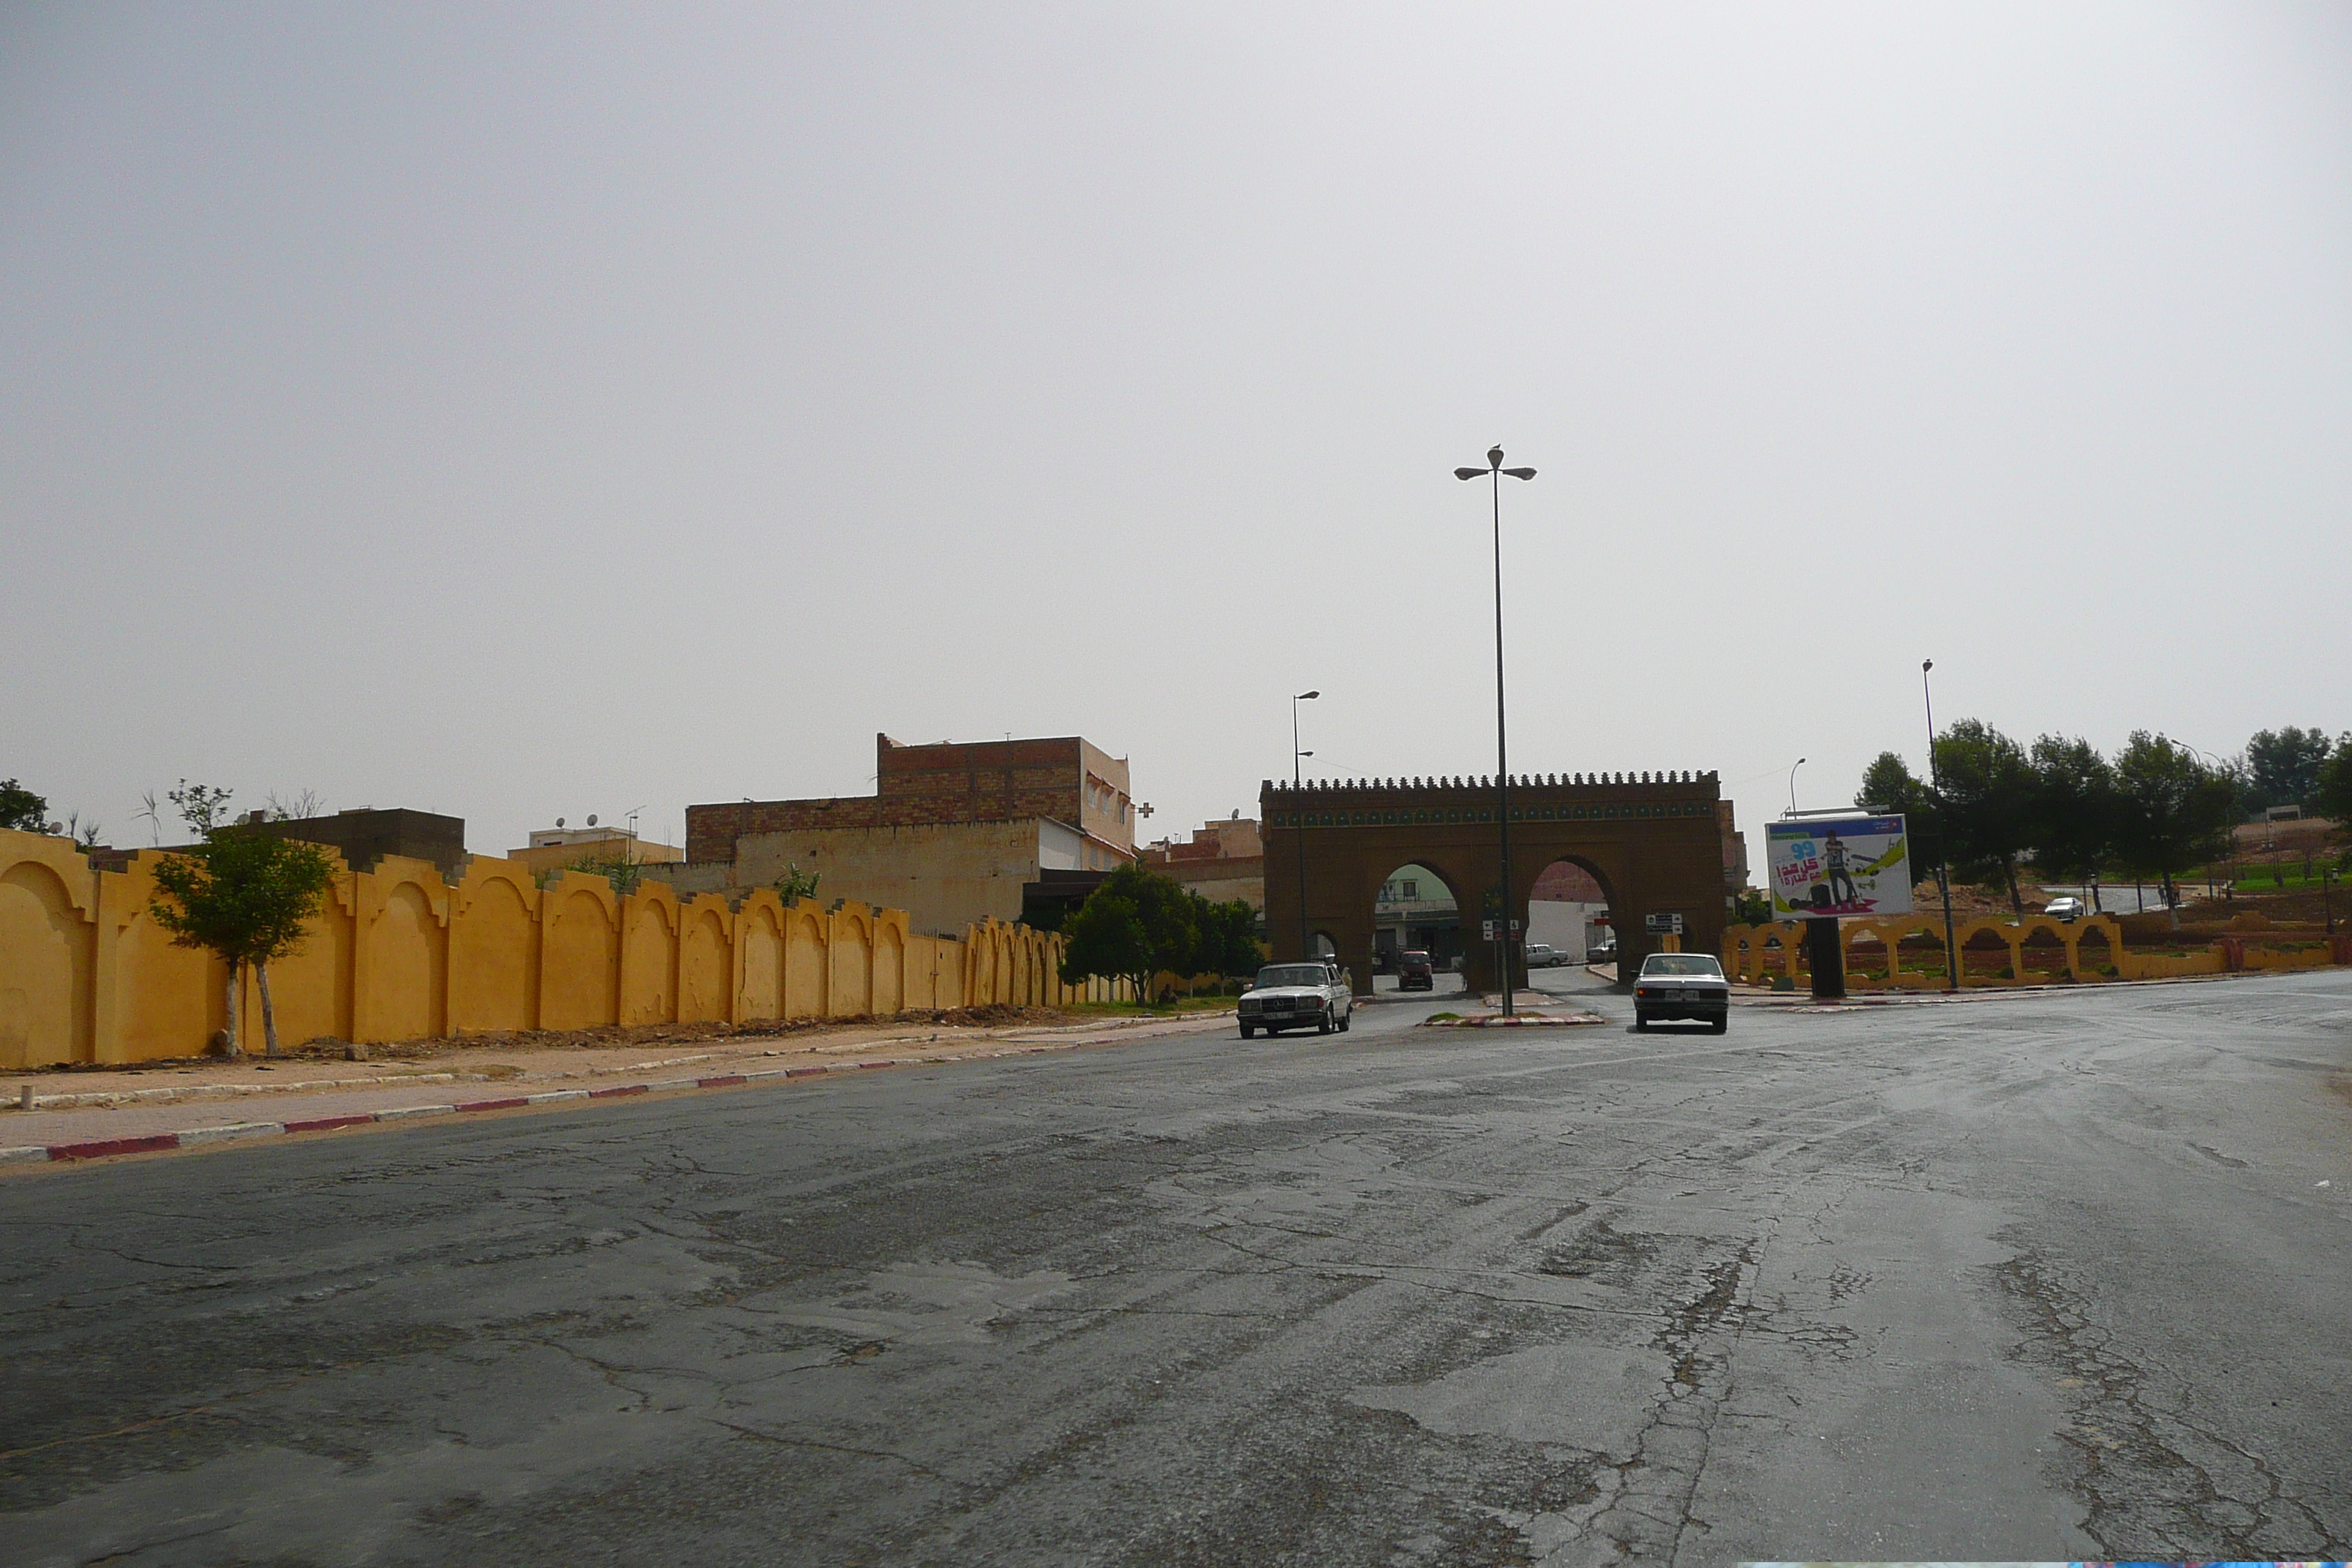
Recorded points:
(1847, 866)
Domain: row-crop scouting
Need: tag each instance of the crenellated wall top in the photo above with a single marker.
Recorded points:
(1682, 786)
(1534, 797)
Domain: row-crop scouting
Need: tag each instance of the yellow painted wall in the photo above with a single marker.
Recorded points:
(398, 953)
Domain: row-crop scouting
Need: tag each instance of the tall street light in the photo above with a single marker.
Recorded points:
(1943, 833)
(1495, 471)
(1792, 785)
(1299, 816)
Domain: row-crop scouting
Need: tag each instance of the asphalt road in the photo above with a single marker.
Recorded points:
(2044, 1276)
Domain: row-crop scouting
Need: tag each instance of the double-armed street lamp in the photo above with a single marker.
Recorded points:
(1299, 816)
(1493, 471)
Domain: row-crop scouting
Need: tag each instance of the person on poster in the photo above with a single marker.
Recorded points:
(1834, 864)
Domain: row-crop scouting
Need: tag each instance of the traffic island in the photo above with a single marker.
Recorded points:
(1541, 1018)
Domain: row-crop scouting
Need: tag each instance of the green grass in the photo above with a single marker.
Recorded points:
(2261, 880)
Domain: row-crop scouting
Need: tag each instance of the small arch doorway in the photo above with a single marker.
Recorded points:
(1414, 913)
(1568, 920)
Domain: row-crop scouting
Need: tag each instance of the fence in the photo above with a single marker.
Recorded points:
(399, 952)
(1994, 952)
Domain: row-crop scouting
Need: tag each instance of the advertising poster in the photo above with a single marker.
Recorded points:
(1841, 866)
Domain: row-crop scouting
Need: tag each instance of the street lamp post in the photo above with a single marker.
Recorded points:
(1943, 835)
(1495, 471)
(1297, 803)
(1792, 785)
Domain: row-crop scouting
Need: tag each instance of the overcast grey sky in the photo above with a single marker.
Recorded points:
(522, 412)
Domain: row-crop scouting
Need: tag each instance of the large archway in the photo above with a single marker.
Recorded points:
(1652, 841)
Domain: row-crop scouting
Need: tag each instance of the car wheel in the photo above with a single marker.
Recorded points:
(1720, 1025)
(1249, 1031)
(1347, 1020)
(1323, 1024)
(1641, 1022)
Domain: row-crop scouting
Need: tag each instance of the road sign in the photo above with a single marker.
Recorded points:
(1663, 925)
(1490, 929)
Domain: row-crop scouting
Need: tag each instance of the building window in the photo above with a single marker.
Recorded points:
(1411, 889)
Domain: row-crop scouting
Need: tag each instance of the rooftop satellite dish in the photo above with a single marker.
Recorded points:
(592, 819)
(559, 822)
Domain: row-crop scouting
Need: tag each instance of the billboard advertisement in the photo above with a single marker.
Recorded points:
(1838, 866)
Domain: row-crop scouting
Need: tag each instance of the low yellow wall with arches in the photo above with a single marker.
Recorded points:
(2033, 950)
(399, 952)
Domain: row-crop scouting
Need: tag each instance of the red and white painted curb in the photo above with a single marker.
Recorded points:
(99, 1148)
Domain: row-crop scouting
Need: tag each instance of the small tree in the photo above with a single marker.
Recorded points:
(2333, 798)
(796, 883)
(2284, 766)
(2074, 810)
(2174, 809)
(1148, 923)
(1986, 785)
(246, 895)
(21, 809)
(1229, 944)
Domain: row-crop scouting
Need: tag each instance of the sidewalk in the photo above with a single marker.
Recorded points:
(86, 1115)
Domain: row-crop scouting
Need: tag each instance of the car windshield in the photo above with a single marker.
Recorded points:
(1682, 963)
(1290, 974)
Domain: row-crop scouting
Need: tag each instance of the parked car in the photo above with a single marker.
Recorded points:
(1295, 995)
(1414, 971)
(1602, 951)
(2066, 909)
(1543, 955)
(1682, 986)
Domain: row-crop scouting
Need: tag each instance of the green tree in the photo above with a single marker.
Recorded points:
(1135, 924)
(1889, 784)
(1986, 783)
(2333, 797)
(796, 883)
(246, 895)
(21, 809)
(2074, 810)
(1229, 944)
(2174, 809)
(2283, 768)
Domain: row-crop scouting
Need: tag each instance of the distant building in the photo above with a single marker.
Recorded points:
(953, 833)
(1224, 861)
(1567, 909)
(365, 835)
(553, 849)
(1415, 910)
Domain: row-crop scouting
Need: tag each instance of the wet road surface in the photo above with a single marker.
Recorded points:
(2034, 1275)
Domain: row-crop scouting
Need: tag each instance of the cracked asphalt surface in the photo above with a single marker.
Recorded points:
(2032, 1277)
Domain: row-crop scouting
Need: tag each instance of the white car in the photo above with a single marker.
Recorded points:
(1298, 996)
(2066, 909)
(1682, 986)
(1543, 955)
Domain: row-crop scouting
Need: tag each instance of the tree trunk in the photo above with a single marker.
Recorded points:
(268, 1013)
(2016, 899)
(235, 986)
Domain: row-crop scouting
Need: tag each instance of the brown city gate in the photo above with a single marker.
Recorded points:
(1651, 842)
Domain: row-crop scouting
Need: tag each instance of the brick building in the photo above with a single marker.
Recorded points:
(953, 833)
(1224, 861)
